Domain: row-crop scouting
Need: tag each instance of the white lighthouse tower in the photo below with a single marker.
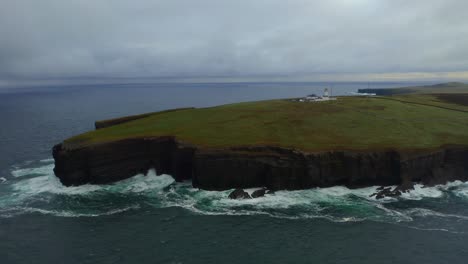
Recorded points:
(325, 93)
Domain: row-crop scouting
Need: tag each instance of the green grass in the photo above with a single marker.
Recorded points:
(352, 123)
(431, 99)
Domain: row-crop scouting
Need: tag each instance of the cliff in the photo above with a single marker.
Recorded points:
(245, 167)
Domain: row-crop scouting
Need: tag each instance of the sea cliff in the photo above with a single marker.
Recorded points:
(245, 167)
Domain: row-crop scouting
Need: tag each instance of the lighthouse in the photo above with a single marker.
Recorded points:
(325, 93)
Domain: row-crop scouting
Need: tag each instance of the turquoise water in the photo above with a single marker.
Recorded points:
(152, 219)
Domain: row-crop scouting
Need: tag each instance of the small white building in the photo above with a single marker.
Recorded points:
(312, 97)
(315, 98)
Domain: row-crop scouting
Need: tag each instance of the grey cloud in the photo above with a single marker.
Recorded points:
(176, 38)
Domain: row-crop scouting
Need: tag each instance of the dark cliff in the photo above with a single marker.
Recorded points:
(388, 91)
(271, 167)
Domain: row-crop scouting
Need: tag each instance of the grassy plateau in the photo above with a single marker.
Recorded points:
(401, 122)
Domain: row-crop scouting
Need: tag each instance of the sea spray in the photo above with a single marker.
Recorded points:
(421, 192)
(34, 171)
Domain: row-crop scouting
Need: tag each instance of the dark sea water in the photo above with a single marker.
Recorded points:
(149, 219)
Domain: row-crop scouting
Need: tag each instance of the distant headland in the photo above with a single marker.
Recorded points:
(401, 136)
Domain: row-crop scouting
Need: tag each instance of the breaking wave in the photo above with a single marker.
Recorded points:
(35, 189)
(43, 170)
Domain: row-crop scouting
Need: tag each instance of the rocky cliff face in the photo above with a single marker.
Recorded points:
(119, 160)
(271, 167)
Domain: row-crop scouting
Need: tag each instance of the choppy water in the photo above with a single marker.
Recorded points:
(35, 189)
(152, 219)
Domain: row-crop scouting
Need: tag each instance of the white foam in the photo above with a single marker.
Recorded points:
(46, 160)
(286, 199)
(338, 204)
(458, 188)
(462, 193)
(454, 184)
(340, 191)
(141, 183)
(3, 179)
(427, 212)
(434, 229)
(396, 215)
(51, 184)
(15, 211)
(421, 192)
(41, 189)
(42, 170)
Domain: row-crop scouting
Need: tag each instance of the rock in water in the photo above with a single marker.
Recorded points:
(383, 191)
(258, 193)
(239, 194)
(405, 187)
(380, 188)
(386, 192)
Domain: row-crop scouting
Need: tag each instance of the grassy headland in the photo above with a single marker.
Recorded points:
(415, 121)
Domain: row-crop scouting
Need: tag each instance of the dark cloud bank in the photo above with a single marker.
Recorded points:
(316, 40)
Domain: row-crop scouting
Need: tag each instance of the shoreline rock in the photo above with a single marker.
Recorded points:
(239, 194)
(383, 191)
(259, 193)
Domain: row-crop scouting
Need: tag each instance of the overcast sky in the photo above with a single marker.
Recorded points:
(236, 39)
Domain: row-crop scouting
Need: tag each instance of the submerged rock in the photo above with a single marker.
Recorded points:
(239, 194)
(258, 193)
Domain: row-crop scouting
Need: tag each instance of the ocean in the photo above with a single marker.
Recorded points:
(152, 219)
